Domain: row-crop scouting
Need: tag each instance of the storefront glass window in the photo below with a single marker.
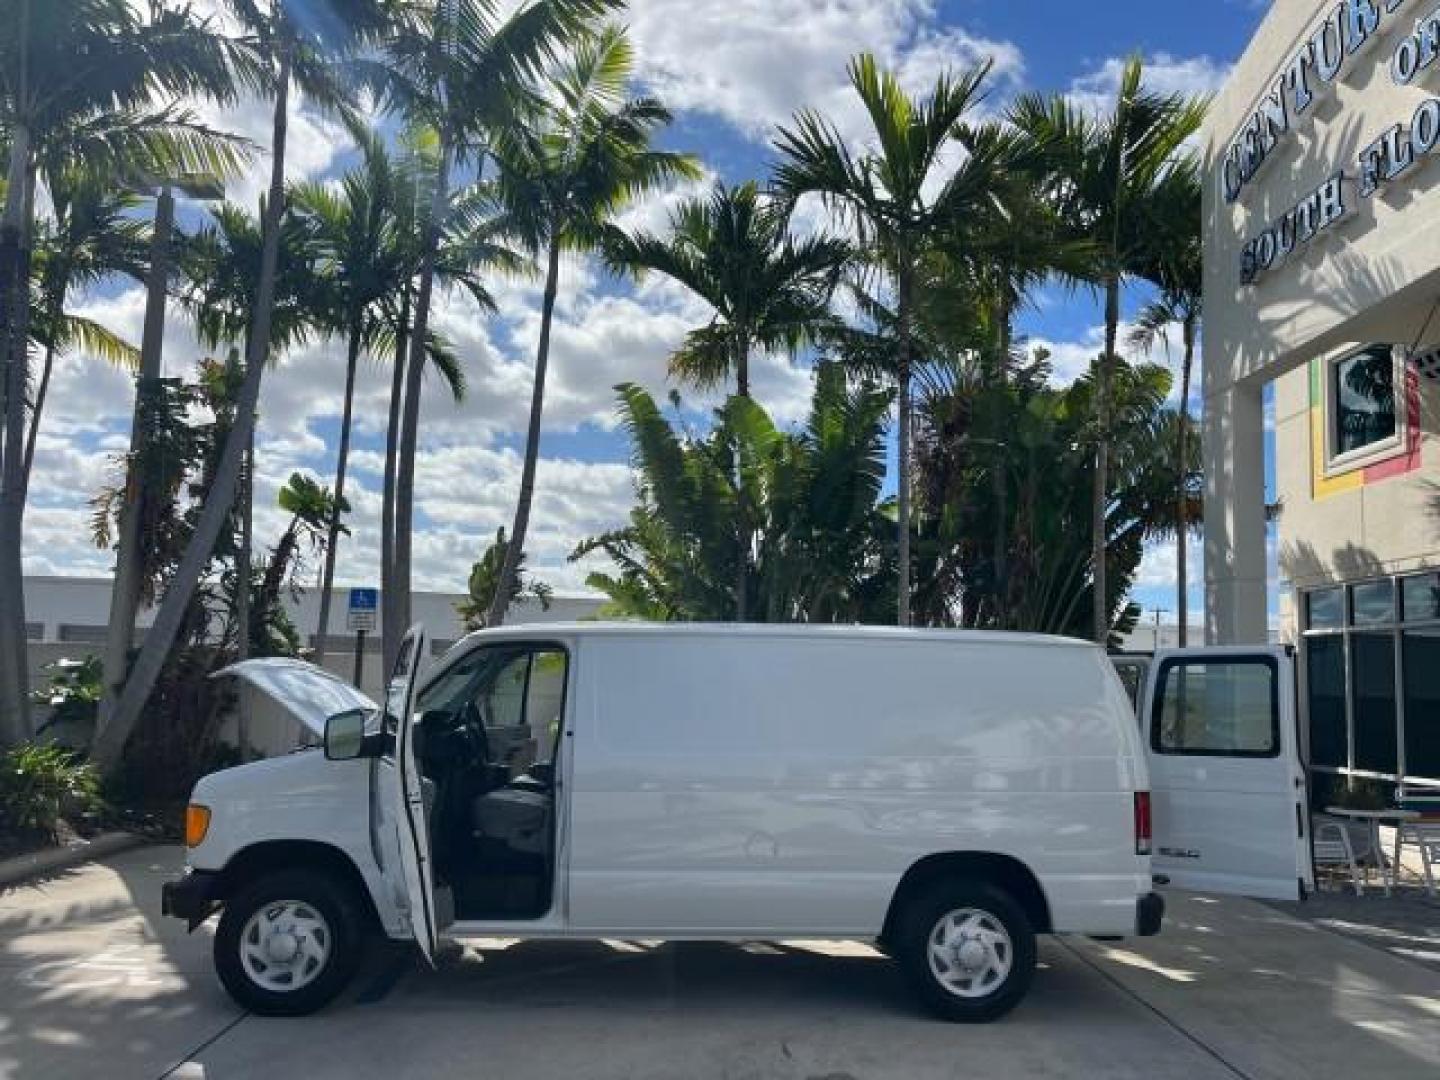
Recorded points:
(1364, 399)
(1422, 597)
(1422, 703)
(1372, 603)
(1326, 609)
(1325, 668)
(1373, 679)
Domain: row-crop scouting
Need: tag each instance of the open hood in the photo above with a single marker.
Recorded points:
(310, 693)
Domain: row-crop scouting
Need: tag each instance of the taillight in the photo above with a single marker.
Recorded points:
(1142, 823)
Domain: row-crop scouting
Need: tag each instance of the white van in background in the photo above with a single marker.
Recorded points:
(947, 794)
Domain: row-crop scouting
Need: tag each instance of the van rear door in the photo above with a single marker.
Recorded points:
(407, 794)
(1228, 789)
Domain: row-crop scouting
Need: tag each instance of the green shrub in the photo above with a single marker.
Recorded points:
(41, 783)
(72, 695)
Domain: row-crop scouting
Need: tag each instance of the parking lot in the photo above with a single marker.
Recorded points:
(94, 983)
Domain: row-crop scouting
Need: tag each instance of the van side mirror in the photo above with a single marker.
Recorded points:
(345, 735)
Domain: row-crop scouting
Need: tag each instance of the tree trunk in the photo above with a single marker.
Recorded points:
(41, 392)
(1182, 499)
(405, 479)
(391, 629)
(54, 312)
(110, 739)
(504, 583)
(126, 586)
(244, 613)
(742, 512)
(332, 535)
(15, 309)
(999, 481)
(1101, 494)
(903, 437)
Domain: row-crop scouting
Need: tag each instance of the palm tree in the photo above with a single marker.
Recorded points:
(1046, 520)
(91, 237)
(98, 83)
(735, 252)
(1179, 302)
(824, 546)
(1101, 174)
(462, 70)
(300, 51)
(314, 510)
(223, 266)
(896, 199)
(484, 575)
(562, 178)
(362, 258)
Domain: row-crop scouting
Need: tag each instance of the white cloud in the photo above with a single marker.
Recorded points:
(753, 63)
(1196, 76)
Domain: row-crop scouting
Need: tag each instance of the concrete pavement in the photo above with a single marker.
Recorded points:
(93, 982)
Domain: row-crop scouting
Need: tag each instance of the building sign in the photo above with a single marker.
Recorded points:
(1349, 29)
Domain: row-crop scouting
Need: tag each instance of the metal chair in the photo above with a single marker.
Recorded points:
(1423, 834)
(1334, 845)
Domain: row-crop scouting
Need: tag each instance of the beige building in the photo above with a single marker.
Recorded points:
(1322, 278)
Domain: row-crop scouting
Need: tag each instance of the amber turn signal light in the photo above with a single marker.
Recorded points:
(197, 824)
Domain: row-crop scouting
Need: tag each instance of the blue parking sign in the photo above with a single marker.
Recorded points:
(361, 611)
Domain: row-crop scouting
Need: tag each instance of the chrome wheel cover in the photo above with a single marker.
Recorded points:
(970, 953)
(285, 945)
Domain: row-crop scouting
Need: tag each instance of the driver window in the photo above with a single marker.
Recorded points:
(517, 694)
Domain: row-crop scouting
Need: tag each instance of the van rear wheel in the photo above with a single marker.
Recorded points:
(289, 943)
(967, 949)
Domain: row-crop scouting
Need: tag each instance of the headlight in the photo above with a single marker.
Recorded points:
(197, 824)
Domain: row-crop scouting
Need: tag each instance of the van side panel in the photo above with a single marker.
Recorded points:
(767, 785)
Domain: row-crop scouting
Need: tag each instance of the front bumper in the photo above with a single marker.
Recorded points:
(194, 897)
(1149, 914)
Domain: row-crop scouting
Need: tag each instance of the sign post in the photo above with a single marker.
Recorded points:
(360, 620)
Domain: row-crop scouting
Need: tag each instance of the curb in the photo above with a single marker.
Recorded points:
(22, 868)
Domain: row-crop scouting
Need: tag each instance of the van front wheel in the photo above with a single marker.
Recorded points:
(967, 949)
(288, 944)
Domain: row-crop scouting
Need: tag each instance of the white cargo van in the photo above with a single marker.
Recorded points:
(948, 795)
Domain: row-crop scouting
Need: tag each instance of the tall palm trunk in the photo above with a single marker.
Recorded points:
(54, 312)
(129, 556)
(15, 309)
(332, 534)
(999, 481)
(903, 374)
(110, 739)
(244, 606)
(1101, 494)
(742, 512)
(1182, 496)
(405, 478)
(42, 391)
(391, 630)
(504, 583)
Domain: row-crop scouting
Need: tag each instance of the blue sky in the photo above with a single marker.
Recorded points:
(730, 69)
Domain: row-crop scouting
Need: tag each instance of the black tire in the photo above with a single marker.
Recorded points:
(343, 916)
(920, 918)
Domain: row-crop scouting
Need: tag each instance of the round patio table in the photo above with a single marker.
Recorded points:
(1374, 818)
